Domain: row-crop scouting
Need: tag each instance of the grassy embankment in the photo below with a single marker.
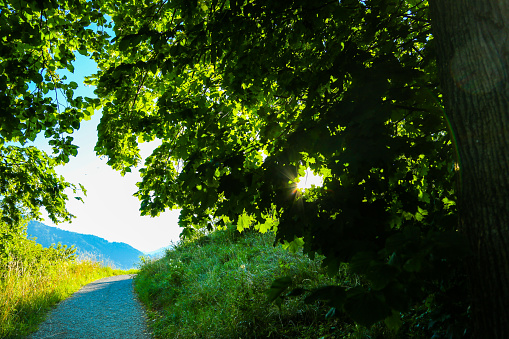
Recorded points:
(215, 287)
(30, 286)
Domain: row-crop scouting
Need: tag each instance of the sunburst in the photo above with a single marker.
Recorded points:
(308, 180)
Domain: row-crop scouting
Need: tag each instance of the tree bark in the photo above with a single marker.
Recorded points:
(472, 39)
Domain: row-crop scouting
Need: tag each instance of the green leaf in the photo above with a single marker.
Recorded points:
(83, 50)
(243, 222)
(334, 295)
(413, 265)
(37, 78)
(394, 322)
(124, 44)
(396, 296)
(366, 308)
(266, 226)
(278, 287)
(331, 313)
(296, 292)
(419, 216)
(294, 245)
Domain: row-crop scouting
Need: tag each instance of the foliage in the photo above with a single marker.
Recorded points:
(245, 96)
(28, 182)
(39, 41)
(33, 279)
(15, 247)
(217, 286)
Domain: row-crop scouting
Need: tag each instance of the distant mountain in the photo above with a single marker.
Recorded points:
(118, 254)
(159, 253)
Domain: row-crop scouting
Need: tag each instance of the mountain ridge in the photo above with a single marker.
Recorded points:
(160, 252)
(117, 254)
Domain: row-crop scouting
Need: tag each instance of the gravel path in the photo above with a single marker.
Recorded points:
(105, 308)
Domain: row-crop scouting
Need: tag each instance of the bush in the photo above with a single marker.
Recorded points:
(34, 278)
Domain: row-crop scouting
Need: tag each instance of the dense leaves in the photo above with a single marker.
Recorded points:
(28, 182)
(245, 95)
(39, 42)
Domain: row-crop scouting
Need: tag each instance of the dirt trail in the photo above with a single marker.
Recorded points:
(105, 308)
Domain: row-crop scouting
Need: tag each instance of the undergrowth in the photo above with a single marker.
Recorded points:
(215, 287)
(34, 278)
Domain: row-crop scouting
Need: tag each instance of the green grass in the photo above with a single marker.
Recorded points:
(215, 287)
(28, 291)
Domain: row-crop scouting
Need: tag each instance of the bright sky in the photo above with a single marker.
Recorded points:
(110, 211)
(309, 180)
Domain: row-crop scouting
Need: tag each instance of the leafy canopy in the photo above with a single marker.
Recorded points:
(245, 95)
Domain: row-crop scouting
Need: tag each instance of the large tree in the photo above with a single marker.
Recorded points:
(473, 50)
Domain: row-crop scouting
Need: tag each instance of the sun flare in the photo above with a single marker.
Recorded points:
(308, 180)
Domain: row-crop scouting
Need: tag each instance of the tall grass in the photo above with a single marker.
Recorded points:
(27, 292)
(215, 287)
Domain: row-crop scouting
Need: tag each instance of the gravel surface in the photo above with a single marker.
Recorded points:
(105, 308)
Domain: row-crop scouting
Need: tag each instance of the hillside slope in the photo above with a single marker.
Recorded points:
(121, 255)
(216, 287)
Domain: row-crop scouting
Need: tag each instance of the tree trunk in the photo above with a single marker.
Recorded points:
(472, 39)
